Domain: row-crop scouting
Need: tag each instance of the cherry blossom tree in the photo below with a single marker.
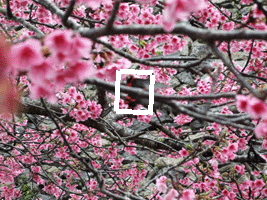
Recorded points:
(60, 136)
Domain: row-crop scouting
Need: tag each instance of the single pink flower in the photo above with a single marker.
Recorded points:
(79, 71)
(257, 13)
(261, 130)
(183, 152)
(233, 147)
(188, 194)
(41, 72)
(45, 90)
(259, 183)
(232, 195)
(161, 184)
(225, 193)
(109, 72)
(171, 195)
(256, 173)
(242, 102)
(264, 191)
(257, 108)
(59, 41)
(79, 47)
(27, 54)
(179, 10)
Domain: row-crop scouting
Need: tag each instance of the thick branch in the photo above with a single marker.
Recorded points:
(181, 28)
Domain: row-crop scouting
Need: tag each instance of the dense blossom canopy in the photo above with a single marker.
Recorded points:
(60, 136)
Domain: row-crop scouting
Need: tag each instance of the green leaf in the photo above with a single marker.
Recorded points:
(188, 146)
(158, 53)
(143, 43)
(205, 194)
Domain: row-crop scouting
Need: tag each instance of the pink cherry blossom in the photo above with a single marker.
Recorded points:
(79, 47)
(179, 10)
(257, 108)
(228, 26)
(242, 102)
(42, 72)
(131, 150)
(80, 71)
(256, 173)
(261, 130)
(171, 195)
(183, 152)
(246, 1)
(259, 183)
(240, 169)
(233, 147)
(44, 90)
(264, 144)
(59, 41)
(27, 54)
(69, 60)
(225, 193)
(144, 118)
(203, 87)
(182, 119)
(161, 184)
(264, 191)
(36, 169)
(94, 4)
(256, 12)
(9, 192)
(95, 165)
(188, 194)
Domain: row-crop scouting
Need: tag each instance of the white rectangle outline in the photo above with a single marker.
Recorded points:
(151, 92)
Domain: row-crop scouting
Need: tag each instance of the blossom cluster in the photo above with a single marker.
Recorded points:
(80, 109)
(256, 109)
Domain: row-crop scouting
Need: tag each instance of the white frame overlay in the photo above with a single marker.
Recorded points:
(151, 92)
